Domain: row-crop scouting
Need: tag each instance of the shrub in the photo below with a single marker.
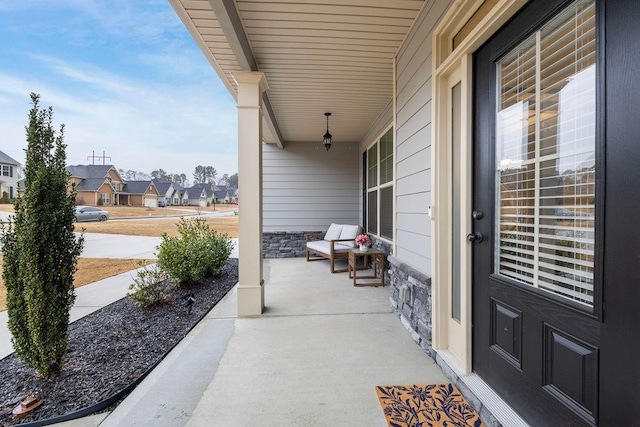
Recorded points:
(148, 288)
(199, 252)
(100, 202)
(40, 250)
(5, 198)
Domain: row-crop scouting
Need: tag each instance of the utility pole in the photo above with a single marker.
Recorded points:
(93, 157)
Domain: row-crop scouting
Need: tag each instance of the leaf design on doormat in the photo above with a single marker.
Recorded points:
(421, 405)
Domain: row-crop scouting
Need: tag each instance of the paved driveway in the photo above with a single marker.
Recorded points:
(97, 245)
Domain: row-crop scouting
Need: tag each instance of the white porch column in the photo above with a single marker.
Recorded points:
(251, 84)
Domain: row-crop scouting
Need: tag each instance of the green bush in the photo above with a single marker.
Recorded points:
(147, 288)
(5, 198)
(40, 250)
(100, 202)
(199, 252)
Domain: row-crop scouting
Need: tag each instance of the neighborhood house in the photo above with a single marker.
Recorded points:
(9, 169)
(102, 185)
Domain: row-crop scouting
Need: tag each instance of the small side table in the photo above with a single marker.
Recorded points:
(377, 266)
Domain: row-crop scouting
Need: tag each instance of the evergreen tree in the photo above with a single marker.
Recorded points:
(40, 250)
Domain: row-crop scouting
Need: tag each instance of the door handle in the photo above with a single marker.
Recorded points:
(475, 237)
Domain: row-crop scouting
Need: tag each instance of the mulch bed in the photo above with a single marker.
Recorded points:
(108, 351)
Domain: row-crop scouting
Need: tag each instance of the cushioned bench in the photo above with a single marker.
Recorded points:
(332, 245)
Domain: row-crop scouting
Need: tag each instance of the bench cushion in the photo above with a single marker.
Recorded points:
(349, 232)
(333, 233)
(325, 247)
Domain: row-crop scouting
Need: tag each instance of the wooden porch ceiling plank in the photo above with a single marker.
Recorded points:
(381, 4)
(266, 39)
(210, 31)
(298, 51)
(306, 69)
(218, 46)
(333, 98)
(325, 79)
(338, 59)
(344, 113)
(327, 9)
(397, 30)
(196, 4)
(310, 17)
(206, 23)
(340, 85)
(260, 46)
(324, 33)
(201, 14)
(214, 39)
(275, 63)
(230, 57)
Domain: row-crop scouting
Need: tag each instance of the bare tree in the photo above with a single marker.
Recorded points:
(204, 174)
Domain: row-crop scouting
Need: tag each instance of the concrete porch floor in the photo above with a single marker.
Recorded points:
(314, 358)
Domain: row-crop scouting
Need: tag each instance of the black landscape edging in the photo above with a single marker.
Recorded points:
(119, 395)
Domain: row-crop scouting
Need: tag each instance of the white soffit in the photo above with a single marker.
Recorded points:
(317, 56)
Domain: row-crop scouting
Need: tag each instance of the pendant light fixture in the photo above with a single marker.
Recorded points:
(327, 136)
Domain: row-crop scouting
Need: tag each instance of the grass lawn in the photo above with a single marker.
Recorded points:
(156, 226)
(89, 271)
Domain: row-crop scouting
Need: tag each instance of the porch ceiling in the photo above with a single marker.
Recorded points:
(317, 56)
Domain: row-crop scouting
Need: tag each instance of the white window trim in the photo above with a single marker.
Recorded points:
(379, 186)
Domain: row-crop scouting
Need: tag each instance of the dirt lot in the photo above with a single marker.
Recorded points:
(161, 221)
(154, 221)
(156, 226)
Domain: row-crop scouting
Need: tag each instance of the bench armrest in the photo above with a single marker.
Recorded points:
(333, 242)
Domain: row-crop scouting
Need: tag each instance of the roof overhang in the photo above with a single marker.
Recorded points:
(317, 58)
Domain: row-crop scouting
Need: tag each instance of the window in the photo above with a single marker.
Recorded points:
(105, 198)
(7, 170)
(379, 184)
(545, 157)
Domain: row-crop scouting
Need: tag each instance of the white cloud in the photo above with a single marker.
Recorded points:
(125, 77)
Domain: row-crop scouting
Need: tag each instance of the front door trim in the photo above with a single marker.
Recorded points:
(447, 61)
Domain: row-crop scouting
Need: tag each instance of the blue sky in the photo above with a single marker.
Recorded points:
(124, 76)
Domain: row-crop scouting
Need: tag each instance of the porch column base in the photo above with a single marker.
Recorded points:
(250, 300)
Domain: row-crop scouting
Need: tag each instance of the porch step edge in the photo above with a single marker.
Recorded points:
(483, 397)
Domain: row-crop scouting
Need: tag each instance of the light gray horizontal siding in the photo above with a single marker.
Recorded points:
(417, 203)
(413, 140)
(306, 188)
(413, 164)
(414, 223)
(414, 144)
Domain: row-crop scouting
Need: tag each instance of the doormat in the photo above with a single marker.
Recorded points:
(426, 405)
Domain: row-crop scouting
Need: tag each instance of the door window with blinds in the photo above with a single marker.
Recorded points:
(545, 157)
(380, 187)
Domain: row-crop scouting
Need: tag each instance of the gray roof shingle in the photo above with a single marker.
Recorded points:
(90, 171)
(136, 187)
(8, 160)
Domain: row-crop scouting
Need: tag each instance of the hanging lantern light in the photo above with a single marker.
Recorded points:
(327, 136)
